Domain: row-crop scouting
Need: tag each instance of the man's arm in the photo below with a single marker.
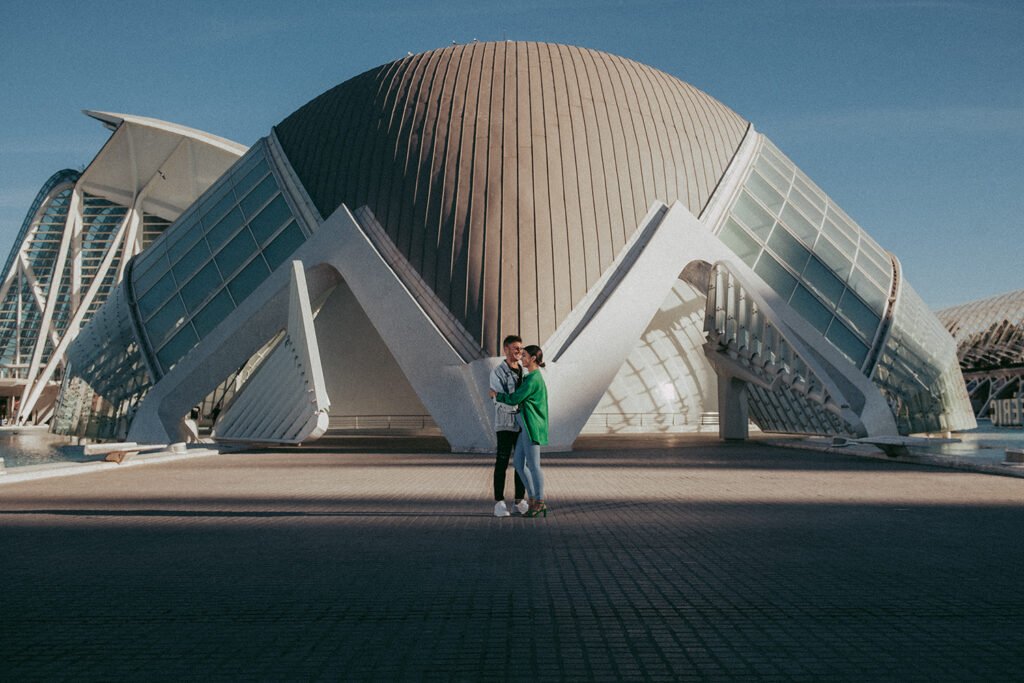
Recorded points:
(496, 384)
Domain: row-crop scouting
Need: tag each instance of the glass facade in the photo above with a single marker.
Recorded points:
(175, 292)
(787, 394)
(100, 222)
(918, 371)
(811, 253)
(28, 283)
(784, 410)
(106, 378)
(839, 280)
(212, 258)
(152, 228)
(21, 310)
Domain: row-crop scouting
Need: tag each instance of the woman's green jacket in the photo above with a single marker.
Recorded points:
(532, 399)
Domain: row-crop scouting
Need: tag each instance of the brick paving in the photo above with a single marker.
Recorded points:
(702, 561)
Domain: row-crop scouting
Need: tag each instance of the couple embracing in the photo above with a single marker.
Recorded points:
(521, 422)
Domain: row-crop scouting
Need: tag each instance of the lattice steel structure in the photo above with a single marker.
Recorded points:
(670, 259)
(989, 335)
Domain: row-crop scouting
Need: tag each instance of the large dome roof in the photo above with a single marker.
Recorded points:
(510, 174)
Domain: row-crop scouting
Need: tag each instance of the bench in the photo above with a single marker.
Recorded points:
(119, 452)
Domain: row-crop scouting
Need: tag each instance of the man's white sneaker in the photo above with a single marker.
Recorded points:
(500, 510)
(522, 506)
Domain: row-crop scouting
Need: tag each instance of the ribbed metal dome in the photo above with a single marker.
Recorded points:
(510, 174)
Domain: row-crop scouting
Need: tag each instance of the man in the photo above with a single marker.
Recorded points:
(505, 379)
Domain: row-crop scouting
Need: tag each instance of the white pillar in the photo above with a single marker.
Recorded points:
(733, 418)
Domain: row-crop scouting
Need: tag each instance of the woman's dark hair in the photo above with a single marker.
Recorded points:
(536, 352)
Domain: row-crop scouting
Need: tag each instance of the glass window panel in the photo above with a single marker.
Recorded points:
(247, 181)
(774, 155)
(871, 251)
(235, 253)
(270, 219)
(151, 301)
(777, 178)
(811, 212)
(184, 238)
(179, 345)
(737, 239)
(249, 279)
(799, 225)
(808, 189)
(199, 287)
(808, 306)
(284, 245)
(768, 195)
(223, 230)
(199, 255)
(144, 280)
(840, 238)
(858, 315)
(753, 215)
(253, 157)
(165, 320)
(868, 290)
(881, 277)
(844, 222)
(847, 342)
(215, 311)
(788, 249)
(217, 204)
(259, 196)
(777, 277)
(835, 259)
(823, 281)
(149, 259)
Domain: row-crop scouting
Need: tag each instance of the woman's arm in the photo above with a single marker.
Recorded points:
(525, 390)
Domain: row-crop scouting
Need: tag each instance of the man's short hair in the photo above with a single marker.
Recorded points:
(511, 339)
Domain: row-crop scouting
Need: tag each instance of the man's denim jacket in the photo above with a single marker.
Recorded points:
(503, 380)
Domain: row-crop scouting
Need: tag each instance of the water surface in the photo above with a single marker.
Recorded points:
(35, 446)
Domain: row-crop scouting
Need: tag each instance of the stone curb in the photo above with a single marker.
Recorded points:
(63, 469)
(926, 459)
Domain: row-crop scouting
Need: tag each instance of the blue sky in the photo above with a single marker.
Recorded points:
(910, 114)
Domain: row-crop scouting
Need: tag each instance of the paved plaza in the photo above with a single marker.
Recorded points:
(362, 560)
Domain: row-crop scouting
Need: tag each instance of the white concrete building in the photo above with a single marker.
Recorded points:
(672, 262)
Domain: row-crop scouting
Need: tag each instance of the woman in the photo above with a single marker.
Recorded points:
(532, 399)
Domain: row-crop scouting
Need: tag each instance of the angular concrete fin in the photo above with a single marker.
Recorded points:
(447, 372)
(594, 341)
(285, 400)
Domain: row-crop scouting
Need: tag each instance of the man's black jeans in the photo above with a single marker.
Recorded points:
(506, 444)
